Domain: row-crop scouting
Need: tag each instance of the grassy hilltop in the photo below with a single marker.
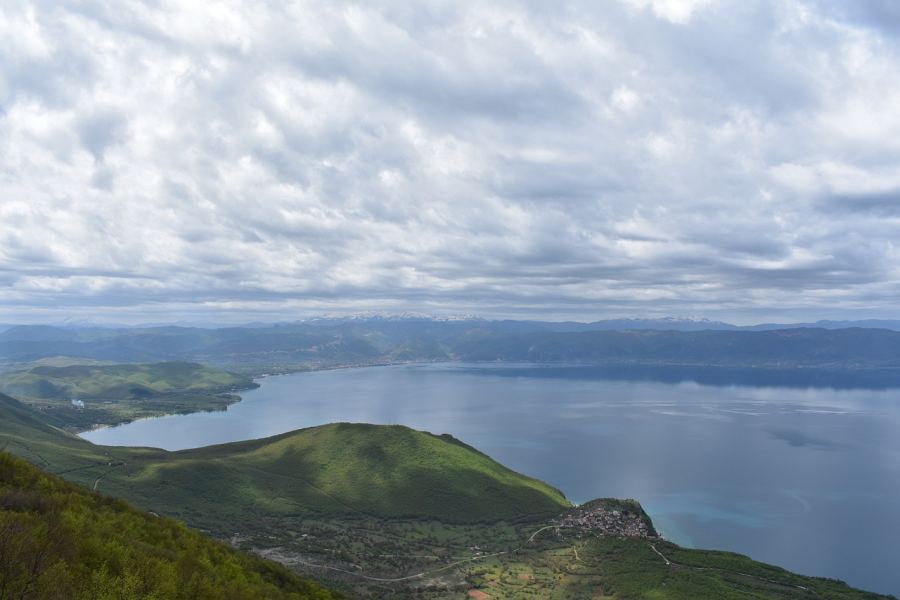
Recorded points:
(115, 394)
(388, 471)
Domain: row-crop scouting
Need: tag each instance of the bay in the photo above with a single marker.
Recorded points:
(803, 477)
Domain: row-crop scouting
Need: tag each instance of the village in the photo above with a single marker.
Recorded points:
(608, 520)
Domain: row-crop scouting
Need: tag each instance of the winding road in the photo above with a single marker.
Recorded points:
(423, 573)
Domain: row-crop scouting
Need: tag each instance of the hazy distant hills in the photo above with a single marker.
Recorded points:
(119, 381)
(82, 396)
(782, 347)
(865, 324)
(331, 342)
(659, 324)
(672, 324)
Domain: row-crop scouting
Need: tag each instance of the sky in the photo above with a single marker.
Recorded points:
(241, 161)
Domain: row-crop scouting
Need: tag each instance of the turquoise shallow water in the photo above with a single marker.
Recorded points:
(806, 478)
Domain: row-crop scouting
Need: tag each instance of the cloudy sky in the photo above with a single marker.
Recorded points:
(249, 160)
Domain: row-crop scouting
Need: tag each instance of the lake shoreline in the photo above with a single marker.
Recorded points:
(624, 370)
(629, 439)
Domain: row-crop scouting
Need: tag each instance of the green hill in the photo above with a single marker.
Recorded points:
(377, 470)
(337, 469)
(58, 540)
(35, 436)
(112, 394)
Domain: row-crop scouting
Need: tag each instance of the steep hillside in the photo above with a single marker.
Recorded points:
(58, 540)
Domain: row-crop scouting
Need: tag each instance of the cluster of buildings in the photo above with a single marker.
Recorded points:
(607, 521)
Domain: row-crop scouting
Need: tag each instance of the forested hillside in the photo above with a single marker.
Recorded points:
(58, 540)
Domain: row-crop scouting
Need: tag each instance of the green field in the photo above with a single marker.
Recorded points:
(113, 394)
(386, 511)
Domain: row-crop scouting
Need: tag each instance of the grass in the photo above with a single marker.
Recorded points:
(114, 394)
(386, 471)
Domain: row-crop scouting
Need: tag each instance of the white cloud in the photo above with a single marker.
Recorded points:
(676, 11)
(624, 98)
(581, 160)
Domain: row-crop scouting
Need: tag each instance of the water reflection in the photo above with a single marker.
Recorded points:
(791, 377)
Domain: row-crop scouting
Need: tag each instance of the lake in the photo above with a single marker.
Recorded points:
(807, 478)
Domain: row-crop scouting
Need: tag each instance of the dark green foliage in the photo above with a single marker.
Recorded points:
(60, 541)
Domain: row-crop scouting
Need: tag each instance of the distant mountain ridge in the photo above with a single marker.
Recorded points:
(368, 341)
(893, 325)
(613, 324)
(618, 324)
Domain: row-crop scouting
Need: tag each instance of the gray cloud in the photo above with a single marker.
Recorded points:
(641, 157)
(101, 130)
(881, 15)
(882, 203)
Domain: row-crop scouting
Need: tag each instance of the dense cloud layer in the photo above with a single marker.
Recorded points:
(578, 159)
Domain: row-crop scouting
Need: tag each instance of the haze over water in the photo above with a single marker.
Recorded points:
(803, 478)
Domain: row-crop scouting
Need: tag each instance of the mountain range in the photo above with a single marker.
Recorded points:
(377, 340)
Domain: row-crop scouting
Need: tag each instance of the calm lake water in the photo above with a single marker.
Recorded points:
(806, 478)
